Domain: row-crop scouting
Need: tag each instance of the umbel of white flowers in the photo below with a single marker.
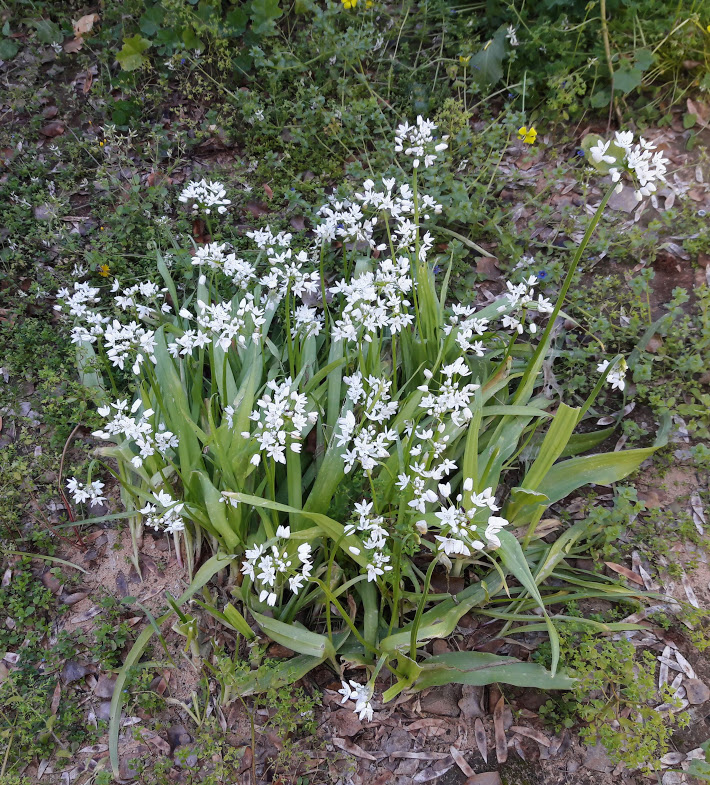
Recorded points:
(644, 167)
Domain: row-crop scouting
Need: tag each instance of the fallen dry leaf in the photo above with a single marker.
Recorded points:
(531, 733)
(74, 45)
(55, 128)
(84, 24)
(481, 739)
(501, 743)
(625, 571)
(460, 761)
(353, 749)
(54, 708)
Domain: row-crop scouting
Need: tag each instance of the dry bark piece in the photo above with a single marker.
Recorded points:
(501, 743)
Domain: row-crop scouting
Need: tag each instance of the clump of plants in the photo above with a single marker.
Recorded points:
(614, 695)
(263, 387)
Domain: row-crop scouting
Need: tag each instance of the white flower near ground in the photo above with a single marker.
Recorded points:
(616, 376)
(205, 196)
(93, 492)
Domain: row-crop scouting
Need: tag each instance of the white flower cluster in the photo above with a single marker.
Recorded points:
(218, 256)
(205, 196)
(129, 299)
(644, 167)
(452, 399)
(78, 304)
(286, 274)
(462, 530)
(369, 443)
(374, 301)
(220, 324)
(371, 527)
(361, 694)
(138, 432)
(418, 142)
(282, 420)
(164, 513)
(271, 568)
(93, 492)
(129, 342)
(616, 376)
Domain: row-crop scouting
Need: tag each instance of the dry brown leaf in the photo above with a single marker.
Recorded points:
(460, 761)
(268, 191)
(481, 739)
(625, 571)
(531, 733)
(351, 748)
(84, 24)
(418, 755)
(501, 743)
(55, 128)
(73, 45)
(54, 708)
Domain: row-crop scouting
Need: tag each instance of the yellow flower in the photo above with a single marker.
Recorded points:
(348, 4)
(464, 60)
(104, 271)
(369, 3)
(527, 135)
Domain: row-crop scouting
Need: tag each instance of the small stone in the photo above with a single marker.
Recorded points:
(104, 711)
(696, 691)
(485, 778)
(185, 758)
(178, 735)
(442, 701)
(572, 766)
(597, 759)
(105, 686)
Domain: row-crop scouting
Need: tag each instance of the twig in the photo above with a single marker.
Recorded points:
(61, 489)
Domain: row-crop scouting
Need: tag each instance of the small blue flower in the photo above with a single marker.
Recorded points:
(541, 274)
(436, 269)
(580, 153)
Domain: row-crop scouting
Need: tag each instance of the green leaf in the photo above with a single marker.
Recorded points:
(327, 525)
(236, 21)
(627, 78)
(48, 32)
(151, 20)
(131, 57)
(486, 66)
(643, 59)
(603, 469)
(600, 98)
(480, 669)
(295, 637)
(264, 13)
(513, 558)
(8, 49)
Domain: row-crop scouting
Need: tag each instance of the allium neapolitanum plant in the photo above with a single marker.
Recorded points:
(335, 442)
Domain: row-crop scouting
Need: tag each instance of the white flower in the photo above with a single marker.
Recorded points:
(205, 196)
(616, 376)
